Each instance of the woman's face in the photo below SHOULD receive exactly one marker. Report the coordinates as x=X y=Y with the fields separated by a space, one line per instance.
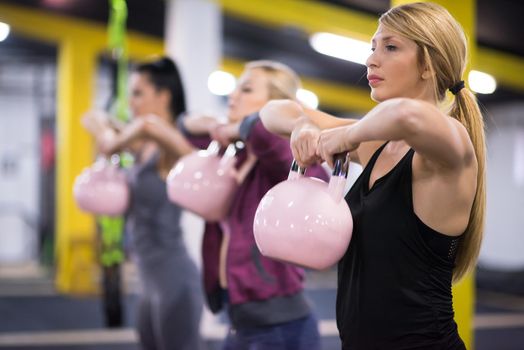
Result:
x=393 y=68
x=250 y=95
x=144 y=98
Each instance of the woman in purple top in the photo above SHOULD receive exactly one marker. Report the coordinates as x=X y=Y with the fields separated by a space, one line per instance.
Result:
x=264 y=297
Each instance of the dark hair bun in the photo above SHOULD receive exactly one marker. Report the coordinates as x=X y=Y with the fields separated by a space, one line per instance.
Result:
x=163 y=74
x=163 y=65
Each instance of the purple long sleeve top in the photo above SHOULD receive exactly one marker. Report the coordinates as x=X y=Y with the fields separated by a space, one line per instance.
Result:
x=252 y=279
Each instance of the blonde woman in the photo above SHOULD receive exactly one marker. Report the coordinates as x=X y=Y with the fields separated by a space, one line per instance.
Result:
x=418 y=206
x=264 y=298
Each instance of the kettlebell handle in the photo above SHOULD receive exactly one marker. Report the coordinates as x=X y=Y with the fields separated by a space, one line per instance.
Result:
x=337 y=182
x=340 y=167
x=296 y=171
x=229 y=154
x=213 y=147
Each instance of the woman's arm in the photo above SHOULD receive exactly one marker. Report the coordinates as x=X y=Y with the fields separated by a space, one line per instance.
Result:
x=436 y=137
x=199 y=124
x=168 y=136
x=97 y=124
x=147 y=127
x=289 y=119
x=282 y=116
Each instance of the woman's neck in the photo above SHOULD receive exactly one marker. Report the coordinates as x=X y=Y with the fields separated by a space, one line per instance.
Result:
x=397 y=146
x=147 y=150
x=166 y=116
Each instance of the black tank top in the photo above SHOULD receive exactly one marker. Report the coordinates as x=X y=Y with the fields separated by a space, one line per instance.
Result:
x=394 y=291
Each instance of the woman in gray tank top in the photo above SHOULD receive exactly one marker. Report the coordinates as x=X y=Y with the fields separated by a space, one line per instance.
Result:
x=170 y=303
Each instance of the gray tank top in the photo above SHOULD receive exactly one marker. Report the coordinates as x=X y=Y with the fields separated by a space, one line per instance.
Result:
x=153 y=222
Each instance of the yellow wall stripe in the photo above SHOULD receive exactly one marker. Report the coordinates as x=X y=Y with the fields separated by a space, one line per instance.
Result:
x=308 y=15
x=507 y=69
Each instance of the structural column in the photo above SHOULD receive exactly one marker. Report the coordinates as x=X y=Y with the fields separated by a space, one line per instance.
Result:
x=77 y=266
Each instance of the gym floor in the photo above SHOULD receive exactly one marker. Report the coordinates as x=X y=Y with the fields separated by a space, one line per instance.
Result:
x=34 y=317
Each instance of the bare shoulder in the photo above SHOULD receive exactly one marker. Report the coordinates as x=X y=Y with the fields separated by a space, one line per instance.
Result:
x=443 y=195
x=463 y=150
x=469 y=157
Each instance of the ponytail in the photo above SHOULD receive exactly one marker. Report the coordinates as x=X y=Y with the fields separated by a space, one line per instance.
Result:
x=443 y=50
x=466 y=110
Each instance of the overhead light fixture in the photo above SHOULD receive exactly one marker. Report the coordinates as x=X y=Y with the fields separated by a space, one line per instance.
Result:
x=341 y=47
x=4 y=30
x=309 y=98
x=221 y=83
x=56 y=3
x=482 y=83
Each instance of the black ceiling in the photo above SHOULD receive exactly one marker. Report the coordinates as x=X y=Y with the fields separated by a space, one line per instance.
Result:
x=498 y=22
x=498 y=26
x=146 y=16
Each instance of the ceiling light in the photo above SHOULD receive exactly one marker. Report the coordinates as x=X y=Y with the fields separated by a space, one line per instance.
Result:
x=482 y=83
x=56 y=3
x=341 y=47
x=4 y=30
x=221 y=83
x=308 y=98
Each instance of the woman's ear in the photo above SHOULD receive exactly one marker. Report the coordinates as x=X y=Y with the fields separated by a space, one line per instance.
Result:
x=426 y=74
x=165 y=96
x=425 y=65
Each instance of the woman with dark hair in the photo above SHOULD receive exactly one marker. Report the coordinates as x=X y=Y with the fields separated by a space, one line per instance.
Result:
x=170 y=304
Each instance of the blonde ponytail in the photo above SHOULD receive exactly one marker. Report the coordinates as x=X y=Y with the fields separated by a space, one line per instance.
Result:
x=443 y=49
x=466 y=110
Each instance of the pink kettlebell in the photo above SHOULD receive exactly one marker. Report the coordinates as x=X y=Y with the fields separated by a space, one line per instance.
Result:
x=102 y=189
x=204 y=183
x=304 y=220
